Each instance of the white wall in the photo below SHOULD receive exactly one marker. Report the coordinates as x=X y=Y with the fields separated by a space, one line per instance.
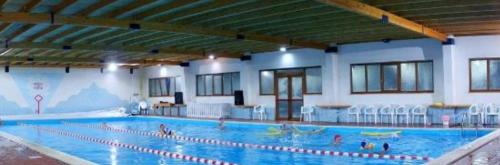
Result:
x=403 y=50
x=77 y=91
x=158 y=72
x=336 y=71
x=473 y=47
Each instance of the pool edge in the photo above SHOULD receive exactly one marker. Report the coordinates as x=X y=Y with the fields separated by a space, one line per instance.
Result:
x=455 y=156
x=61 y=156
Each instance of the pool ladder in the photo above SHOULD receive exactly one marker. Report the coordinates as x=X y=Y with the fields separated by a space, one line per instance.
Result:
x=462 y=123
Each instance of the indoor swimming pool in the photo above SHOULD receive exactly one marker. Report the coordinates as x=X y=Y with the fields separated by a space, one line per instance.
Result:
x=133 y=140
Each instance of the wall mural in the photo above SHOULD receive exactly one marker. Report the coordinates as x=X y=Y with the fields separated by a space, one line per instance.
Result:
x=43 y=91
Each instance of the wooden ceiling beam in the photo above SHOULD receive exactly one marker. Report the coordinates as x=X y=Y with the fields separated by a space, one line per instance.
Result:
x=151 y=26
x=167 y=7
x=238 y=10
x=161 y=51
x=376 y=13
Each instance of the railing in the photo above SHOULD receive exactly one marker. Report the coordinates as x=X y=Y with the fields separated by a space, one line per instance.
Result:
x=484 y=150
x=208 y=110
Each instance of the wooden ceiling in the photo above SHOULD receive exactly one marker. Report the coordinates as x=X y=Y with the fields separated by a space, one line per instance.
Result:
x=88 y=33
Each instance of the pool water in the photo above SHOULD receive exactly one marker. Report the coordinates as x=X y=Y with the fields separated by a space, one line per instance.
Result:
x=419 y=142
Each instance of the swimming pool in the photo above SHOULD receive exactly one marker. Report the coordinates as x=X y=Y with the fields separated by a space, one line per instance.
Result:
x=128 y=140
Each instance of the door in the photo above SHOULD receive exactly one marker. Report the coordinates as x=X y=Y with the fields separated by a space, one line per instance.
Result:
x=289 y=98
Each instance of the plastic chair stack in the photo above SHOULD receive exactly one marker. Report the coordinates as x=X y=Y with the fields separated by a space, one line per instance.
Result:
x=371 y=111
x=419 y=111
x=490 y=111
x=355 y=111
x=387 y=111
x=402 y=111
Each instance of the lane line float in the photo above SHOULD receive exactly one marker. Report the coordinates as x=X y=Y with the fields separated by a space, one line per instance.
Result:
x=133 y=147
x=254 y=146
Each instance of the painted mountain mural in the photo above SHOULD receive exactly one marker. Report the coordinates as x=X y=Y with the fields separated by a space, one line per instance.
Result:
x=11 y=108
x=89 y=99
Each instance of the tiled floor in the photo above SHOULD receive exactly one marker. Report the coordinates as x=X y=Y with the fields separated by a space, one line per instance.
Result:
x=12 y=153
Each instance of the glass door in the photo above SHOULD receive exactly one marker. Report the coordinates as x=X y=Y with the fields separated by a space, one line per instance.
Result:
x=289 y=96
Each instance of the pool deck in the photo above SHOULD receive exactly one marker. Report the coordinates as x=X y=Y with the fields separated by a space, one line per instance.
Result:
x=14 y=153
x=321 y=123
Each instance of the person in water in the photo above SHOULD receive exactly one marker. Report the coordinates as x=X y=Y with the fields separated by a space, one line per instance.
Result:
x=164 y=130
x=104 y=125
x=385 y=147
x=367 y=146
x=221 y=124
x=337 y=139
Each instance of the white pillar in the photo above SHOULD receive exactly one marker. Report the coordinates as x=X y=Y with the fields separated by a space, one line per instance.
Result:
x=448 y=72
x=331 y=85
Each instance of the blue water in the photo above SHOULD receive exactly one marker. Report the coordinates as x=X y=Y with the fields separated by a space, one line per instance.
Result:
x=420 y=142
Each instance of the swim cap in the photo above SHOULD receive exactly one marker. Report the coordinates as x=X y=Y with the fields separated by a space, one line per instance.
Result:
x=363 y=144
x=386 y=146
x=337 y=136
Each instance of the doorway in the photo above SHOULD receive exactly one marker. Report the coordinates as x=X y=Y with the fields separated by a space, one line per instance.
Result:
x=289 y=85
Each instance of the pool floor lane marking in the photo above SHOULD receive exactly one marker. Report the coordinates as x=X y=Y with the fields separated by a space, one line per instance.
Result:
x=133 y=147
x=254 y=146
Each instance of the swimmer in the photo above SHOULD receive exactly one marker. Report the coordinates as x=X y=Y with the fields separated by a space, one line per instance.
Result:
x=367 y=146
x=385 y=147
x=221 y=123
x=337 y=139
x=284 y=127
x=164 y=130
x=104 y=125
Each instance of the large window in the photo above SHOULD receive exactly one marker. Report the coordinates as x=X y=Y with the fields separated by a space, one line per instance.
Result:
x=392 y=77
x=484 y=75
x=312 y=79
x=223 y=84
x=166 y=86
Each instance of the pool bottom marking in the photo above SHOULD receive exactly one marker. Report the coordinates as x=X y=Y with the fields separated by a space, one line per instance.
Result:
x=254 y=146
x=133 y=147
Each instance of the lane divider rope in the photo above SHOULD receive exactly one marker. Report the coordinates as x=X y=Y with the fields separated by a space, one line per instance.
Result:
x=133 y=147
x=254 y=146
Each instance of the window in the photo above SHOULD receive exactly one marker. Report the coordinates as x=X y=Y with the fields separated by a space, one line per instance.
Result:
x=167 y=86
x=223 y=84
x=392 y=77
x=267 y=82
x=484 y=75
x=312 y=79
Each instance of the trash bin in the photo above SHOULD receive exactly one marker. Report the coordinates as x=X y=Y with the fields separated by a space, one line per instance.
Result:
x=446 y=120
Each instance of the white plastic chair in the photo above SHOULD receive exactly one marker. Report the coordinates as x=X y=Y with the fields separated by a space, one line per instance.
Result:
x=402 y=111
x=491 y=110
x=261 y=111
x=355 y=111
x=417 y=111
x=387 y=111
x=143 y=106
x=306 y=113
x=475 y=111
x=371 y=111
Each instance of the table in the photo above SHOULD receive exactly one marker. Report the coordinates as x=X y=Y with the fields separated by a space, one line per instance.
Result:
x=249 y=107
x=162 y=106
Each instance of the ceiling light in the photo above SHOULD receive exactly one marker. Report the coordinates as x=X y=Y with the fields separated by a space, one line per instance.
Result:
x=112 y=66
x=211 y=57
x=282 y=49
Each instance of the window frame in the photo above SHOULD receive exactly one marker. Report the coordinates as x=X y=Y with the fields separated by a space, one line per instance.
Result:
x=213 y=84
x=304 y=81
x=162 y=80
x=488 y=59
x=398 y=81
